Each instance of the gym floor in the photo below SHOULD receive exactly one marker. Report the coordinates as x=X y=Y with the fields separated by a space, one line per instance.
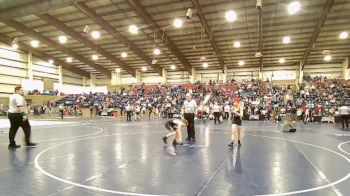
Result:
x=112 y=157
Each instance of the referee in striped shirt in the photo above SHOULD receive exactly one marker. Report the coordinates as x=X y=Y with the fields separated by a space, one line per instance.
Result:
x=18 y=116
x=189 y=109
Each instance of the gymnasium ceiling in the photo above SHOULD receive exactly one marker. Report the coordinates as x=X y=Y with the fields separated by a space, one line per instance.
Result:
x=205 y=38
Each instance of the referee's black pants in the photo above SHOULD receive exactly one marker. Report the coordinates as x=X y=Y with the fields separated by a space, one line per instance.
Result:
x=226 y=115
x=217 y=117
x=190 y=127
x=344 y=120
x=128 y=115
x=16 y=121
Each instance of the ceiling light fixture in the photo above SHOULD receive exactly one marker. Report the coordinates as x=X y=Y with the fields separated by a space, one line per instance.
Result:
x=34 y=43
x=144 y=68
x=241 y=63
x=124 y=54
x=156 y=51
x=62 y=39
x=231 y=16
x=133 y=29
x=293 y=7
x=327 y=57
x=94 y=57
x=14 y=46
x=14 y=43
x=95 y=34
x=205 y=65
x=281 y=60
x=86 y=29
x=343 y=35
x=178 y=23
x=286 y=40
x=236 y=44
x=69 y=59
x=173 y=67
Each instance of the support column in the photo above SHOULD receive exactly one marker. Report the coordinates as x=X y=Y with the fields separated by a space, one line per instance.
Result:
x=345 y=69
x=138 y=77
x=164 y=75
x=224 y=76
x=60 y=75
x=261 y=75
x=84 y=81
x=199 y=77
x=301 y=73
x=119 y=78
x=193 y=76
x=92 y=80
x=30 y=66
x=114 y=78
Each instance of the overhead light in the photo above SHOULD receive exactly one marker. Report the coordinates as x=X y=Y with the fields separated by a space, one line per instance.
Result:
x=14 y=43
x=15 y=40
x=86 y=29
x=205 y=65
x=328 y=57
x=124 y=54
x=69 y=59
x=94 y=57
x=293 y=7
x=173 y=67
x=50 y=61
x=178 y=23
x=231 y=16
x=282 y=60
x=144 y=68
x=286 y=40
x=95 y=34
x=133 y=29
x=118 y=70
x=15 y=46
x=236 y=44
x=258 y=54
x=241 y=63
x=343 y=35
x=156 y=51
x=189 y=13
x=34 y=43
x=154 y=61
x=62 y=39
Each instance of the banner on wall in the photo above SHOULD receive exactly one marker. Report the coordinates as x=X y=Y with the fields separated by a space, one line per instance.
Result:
x=30 y=85
x=48 y=84
x=74 y=89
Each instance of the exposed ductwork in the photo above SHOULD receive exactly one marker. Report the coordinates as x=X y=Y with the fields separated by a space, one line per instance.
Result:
x=36 y=7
